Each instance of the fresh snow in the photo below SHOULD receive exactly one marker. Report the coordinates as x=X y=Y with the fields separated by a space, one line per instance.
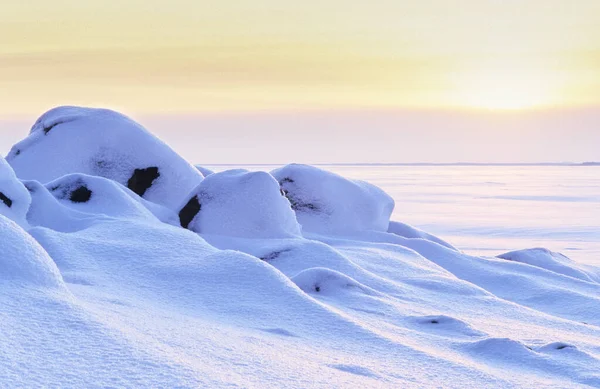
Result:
x=103 y=143
x=294 y=278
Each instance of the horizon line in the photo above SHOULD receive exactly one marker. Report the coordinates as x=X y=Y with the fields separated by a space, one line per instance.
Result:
x=582 y=164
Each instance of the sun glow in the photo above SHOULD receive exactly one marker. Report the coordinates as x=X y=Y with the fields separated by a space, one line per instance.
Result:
x=503 y=86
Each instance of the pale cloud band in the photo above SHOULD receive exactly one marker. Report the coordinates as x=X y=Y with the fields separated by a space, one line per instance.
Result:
x=188 y=56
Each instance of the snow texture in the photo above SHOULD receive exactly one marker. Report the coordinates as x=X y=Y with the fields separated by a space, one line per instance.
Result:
x=100 y=287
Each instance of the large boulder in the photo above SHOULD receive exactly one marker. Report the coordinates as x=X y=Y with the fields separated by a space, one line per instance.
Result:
x=325 y=202
x=242 y=204
x=104 y=143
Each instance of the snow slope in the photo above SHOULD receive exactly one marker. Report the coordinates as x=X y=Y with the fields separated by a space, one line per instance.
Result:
x=103 y=288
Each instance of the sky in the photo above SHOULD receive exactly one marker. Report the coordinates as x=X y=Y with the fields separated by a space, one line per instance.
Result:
x=364 y=81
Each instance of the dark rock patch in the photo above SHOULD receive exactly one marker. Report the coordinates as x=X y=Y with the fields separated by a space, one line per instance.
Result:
x=189 y=211
x=142 y=179
x=296 y=203
x=81 y=195
x=273 y=255
x=47 y=129
x=6 y=200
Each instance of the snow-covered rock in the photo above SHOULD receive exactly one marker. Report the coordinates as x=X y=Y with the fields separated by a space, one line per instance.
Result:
x=14 y=197
x=103 y=143
x=76 y=199
x=239 y=203
x=325 y=202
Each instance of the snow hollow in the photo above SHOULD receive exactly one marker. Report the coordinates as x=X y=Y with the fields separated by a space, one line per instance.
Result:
x=123 y=265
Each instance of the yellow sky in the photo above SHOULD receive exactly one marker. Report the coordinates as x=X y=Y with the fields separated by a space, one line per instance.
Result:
x=197 y=56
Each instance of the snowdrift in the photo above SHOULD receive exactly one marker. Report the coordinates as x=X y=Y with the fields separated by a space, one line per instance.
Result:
x=293 y=278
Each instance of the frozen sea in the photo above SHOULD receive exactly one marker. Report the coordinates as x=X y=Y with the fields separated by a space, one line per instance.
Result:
x=488 y=210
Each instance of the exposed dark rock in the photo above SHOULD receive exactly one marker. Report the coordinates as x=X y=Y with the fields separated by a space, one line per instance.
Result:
x=47 y=129
x=6 y=200
x=142 y=179
x=296 y=203
x=273 y=255
x=189 y=211
x=80 y=195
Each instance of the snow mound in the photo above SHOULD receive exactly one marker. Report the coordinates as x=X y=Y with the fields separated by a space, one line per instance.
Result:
x=239 y=203
x=205 y=171
x=14 y=197
x=103 y=143
x=549 y=260
x=410 y=232
x=23 y=260
x=328 y=282
x=444 y=324
x=328 y=203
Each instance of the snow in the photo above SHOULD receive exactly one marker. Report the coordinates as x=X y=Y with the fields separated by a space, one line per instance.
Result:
x=23 y=261
x=100 y=287
x=407 y=231
x=328 y=203
x=204 y=170
x=240 y=203
x=104 y=143
x=14 y=198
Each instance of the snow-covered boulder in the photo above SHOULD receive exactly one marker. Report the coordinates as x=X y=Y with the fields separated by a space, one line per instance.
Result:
x=242 y=204
x=63 y=204
x=14 y=197
x=103 y=143
x=23 y=260
x=328 y=203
